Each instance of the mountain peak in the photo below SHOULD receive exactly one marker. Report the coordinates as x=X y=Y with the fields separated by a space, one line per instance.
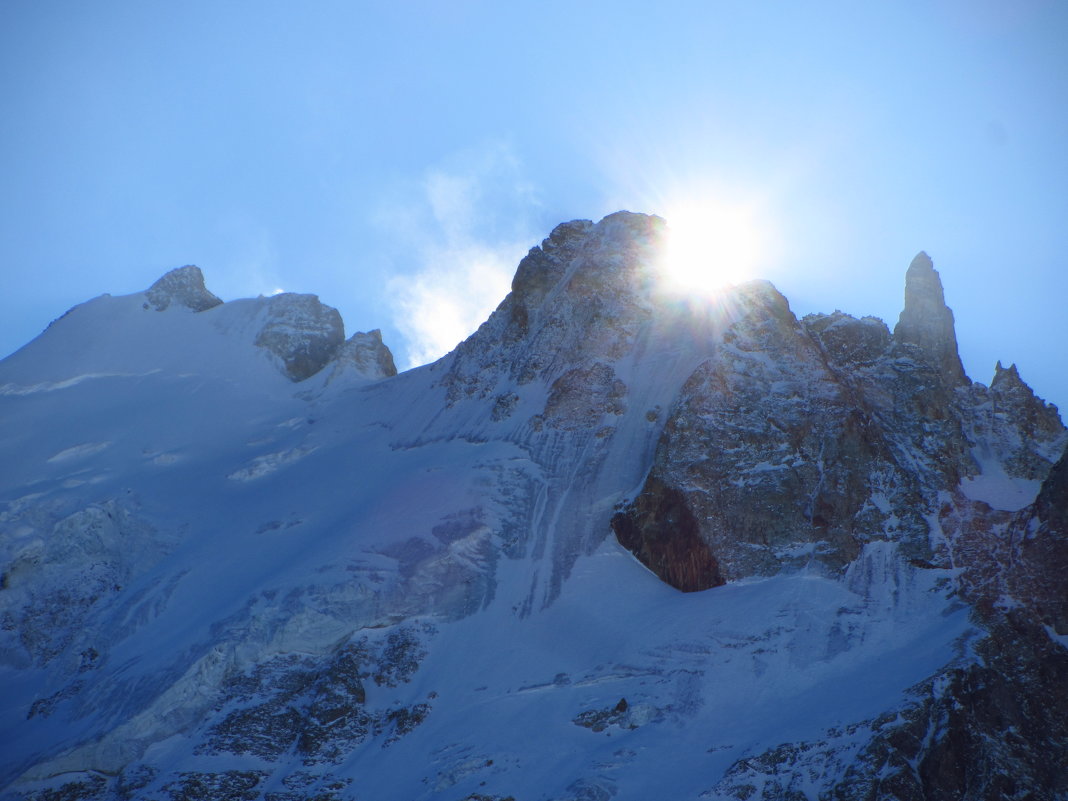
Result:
x=921 y=261
x=183 y=286
x=366 y=354
x=927 y=322
x=302 y=332
x=1009 y=376
x=215 y=584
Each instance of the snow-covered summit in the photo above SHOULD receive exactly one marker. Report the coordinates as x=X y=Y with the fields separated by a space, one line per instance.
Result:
x=153 y=331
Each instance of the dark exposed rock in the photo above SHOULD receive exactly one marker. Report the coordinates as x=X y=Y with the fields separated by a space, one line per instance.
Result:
x=1050 y=510
x=788 y=772
x=621 y=715
x=231 y=785
x=319 y=708
x=85 y=788
x=581 y=397
x=305 y=786
x=503 y=406
x=971 y=733
x=984 y=731
x=1034 y=421
x=1016 y=561
x=182 y=286
x=996 y=727
x=304 y=333
x=1037 y=572
x=849 y=342
x=133 y=780
x=582 y=309
x=661 y=531
x=599 y=789
x=403 y=720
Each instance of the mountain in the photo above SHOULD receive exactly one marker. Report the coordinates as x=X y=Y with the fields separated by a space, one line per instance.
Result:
x=616 y=545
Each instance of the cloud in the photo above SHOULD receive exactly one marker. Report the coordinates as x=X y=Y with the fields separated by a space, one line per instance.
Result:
x=441 y=305
x=466 y=224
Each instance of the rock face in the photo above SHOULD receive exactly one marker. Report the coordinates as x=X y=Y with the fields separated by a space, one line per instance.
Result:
x=304 y=333
x=778 y=453
x=1037 y=424
x=182 y=286
x=461 y=581
x=544 y=371
x=576 y=300
x=797 y=443
x=662 y=532
x=366 y=355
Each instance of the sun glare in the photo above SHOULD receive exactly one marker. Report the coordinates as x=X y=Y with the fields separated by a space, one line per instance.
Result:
x=710 y=247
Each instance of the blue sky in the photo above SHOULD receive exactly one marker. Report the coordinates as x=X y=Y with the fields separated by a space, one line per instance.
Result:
x=398 y=159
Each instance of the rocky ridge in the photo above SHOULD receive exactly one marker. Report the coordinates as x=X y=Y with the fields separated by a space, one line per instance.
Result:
x=856 y=472
x=801 y=441
x=301 y=333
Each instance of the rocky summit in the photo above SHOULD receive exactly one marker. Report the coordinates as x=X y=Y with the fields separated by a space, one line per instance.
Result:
x=617 y=545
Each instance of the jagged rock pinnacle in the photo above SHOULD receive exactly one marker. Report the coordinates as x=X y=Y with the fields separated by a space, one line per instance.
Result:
x=927 y=322
x=183 y=286
x=1037 y=420
x=1006 y=376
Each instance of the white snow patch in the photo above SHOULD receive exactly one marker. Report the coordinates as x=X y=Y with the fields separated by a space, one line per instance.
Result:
x=1000 y=490
x=79 y=451
x=1060 y=639
x=268 y=463
x=52 y=386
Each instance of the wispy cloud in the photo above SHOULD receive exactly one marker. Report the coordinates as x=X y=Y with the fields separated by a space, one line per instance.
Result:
x=466 y=225
x=247 y=262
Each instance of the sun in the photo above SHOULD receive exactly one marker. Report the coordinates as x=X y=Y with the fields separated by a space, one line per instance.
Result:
x=709 y=247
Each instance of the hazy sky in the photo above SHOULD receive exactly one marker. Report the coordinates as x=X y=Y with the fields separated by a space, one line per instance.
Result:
x=397 y=159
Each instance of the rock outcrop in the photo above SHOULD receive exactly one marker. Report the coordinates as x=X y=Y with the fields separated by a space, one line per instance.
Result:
x=1037 y=428
x=578 y=298
x=663 y=533
x=182 y=286
x=302 y=332
x=366 y=355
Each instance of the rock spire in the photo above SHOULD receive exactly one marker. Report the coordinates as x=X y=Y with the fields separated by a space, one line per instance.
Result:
x=927 y=322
